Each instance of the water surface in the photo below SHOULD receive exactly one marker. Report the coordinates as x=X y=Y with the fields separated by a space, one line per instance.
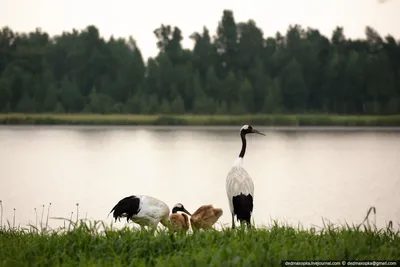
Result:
x=301 y=175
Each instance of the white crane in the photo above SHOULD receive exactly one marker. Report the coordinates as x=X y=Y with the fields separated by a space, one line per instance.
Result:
x=143 y=210
x=239 y=185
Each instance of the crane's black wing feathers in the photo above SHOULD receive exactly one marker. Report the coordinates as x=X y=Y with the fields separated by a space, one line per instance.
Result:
x=243 y=207
x=128 y=205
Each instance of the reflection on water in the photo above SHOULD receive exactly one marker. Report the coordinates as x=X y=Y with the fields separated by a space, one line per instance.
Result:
x=300 y=176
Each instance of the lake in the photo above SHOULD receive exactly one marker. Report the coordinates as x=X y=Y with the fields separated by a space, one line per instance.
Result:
x=301 y=175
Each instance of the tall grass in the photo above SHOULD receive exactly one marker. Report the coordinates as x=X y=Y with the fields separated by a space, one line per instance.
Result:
x=188 y=119
x=93 y=243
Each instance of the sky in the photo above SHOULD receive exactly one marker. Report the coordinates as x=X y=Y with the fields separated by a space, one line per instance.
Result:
x=123 y=18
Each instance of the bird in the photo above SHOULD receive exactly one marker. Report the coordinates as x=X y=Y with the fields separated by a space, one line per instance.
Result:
x=205 y=217
x=239 y=184
x=179 y=221
x=143 y=210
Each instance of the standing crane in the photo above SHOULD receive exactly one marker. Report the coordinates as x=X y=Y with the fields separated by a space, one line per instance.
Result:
x=239 y=185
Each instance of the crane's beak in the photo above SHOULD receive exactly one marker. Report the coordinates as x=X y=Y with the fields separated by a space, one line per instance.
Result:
x=185 y=211
x=257 y=132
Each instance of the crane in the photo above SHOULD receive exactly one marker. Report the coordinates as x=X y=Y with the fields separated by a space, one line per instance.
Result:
x=239 y=185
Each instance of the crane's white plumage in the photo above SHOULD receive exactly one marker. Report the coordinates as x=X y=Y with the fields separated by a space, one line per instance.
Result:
x=244 y=127
x=143 y=210
x=239 y=185
x=238 y=181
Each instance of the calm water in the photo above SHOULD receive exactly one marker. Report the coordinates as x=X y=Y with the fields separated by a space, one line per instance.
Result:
x=300 y=176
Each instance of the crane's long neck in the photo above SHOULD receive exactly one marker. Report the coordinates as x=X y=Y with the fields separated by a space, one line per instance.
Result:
x=243 y=151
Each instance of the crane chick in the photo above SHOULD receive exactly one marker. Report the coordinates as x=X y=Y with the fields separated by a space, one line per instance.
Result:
x=179 y=221
x=205 y=217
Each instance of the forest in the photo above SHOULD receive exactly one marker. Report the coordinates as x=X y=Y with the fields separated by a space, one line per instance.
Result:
x=237 y=71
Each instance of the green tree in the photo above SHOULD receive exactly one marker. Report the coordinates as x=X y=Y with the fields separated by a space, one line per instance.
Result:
x=26 y=104
x=237 y=71
x=204 y=54
x=273 y=97
x=246 y=97
x=70 y=96
x=165 y=107
x=5 y=94
x=202 y=103
x=51 y=99
x=177 y=105
x=250 y=45
x=293 y=86
x=226 y=44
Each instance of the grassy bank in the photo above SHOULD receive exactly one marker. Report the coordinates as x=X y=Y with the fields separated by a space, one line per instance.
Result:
x=83 y=246
x=87 y=243
x=259 y=119
x=260 y=247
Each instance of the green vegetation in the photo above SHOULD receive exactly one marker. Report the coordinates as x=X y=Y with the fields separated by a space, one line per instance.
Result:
x=260 y=247
x=257 y=119
x=237 y=71
x=86 y=243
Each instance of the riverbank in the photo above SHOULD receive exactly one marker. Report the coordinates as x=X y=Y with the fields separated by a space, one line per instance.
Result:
x=84 y=246
x=256 y=119
x=82 y=242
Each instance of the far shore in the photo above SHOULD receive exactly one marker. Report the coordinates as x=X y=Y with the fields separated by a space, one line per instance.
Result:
x=203 y=120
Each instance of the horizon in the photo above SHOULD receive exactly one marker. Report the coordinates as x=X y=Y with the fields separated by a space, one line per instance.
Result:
x=119 y=19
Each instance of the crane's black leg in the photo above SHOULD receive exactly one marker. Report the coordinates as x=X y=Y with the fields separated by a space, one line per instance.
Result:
x=233 y=221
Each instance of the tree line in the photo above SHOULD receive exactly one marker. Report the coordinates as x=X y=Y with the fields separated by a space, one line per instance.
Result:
x=236 y=71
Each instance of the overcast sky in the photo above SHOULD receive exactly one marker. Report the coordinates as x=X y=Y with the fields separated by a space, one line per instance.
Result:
x=140 y=18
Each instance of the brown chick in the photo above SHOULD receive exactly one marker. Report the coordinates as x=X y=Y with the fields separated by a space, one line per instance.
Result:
x=205 y=217
x=179 y=221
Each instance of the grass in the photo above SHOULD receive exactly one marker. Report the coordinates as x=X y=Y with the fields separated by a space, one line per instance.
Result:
x=188 y=119
x=86 y=243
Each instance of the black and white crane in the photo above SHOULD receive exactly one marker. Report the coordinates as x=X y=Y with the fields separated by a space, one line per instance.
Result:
x=239 y=185
x=143 y=210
